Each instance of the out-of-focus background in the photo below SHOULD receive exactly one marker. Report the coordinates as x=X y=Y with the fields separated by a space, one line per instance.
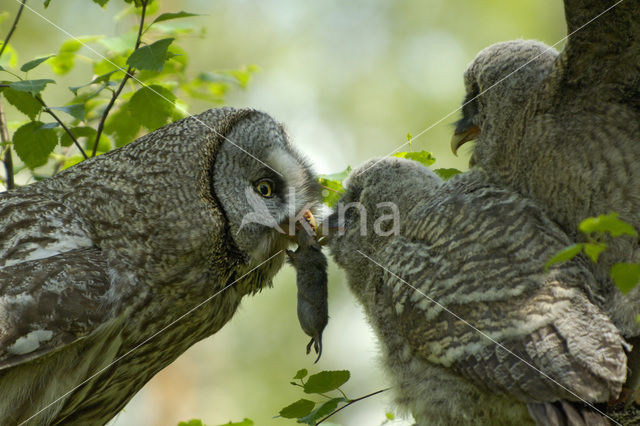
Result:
x=349 y=80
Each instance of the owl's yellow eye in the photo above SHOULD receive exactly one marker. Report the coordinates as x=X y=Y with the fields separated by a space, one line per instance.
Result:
x=265 y=188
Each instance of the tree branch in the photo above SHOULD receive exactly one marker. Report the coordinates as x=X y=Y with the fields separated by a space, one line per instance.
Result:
x=351 y=402
x=66 y=129
x=4 y=133
x=7 y=160
x=13 y=27
x=128 y=74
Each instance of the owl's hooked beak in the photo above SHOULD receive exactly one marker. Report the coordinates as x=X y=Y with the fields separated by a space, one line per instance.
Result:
x=465 y=132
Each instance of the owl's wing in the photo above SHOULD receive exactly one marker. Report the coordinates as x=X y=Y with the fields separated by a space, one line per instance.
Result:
x=33 y=226
x=48 y=303
x=53 y=280
x=603 y=45
x=537 y=343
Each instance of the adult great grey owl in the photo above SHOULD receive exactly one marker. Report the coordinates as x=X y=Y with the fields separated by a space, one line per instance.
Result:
x=564 y=128
x=473 y=330
x=111 y=269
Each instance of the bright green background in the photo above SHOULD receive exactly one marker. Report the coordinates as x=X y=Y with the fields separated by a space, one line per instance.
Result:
x=349 y=79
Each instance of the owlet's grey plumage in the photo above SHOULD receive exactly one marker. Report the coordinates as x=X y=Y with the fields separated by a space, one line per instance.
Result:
x=473 y=329
x=564 y=129
x=111 y=269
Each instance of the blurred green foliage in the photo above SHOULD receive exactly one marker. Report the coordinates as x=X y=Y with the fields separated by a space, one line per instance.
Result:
x=625 y=275
x=135 y=82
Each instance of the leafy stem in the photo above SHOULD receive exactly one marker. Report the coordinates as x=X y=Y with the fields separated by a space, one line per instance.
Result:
x=9 y=72
x=331 y=189
x=4 y=134
x=13 y=27
x=343 y=394
x=66 y=129
x=351 y=401
x=7 y=160
x=127 y=75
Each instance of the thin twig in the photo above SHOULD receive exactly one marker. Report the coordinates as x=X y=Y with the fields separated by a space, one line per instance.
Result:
x=7 y=160
x=127 y=75
x=4 y=133
x=331 y=189
x=352 y=401
x=13 y=27
x=66 y=129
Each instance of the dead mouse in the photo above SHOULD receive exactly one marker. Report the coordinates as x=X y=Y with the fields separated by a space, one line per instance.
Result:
x=311 y=279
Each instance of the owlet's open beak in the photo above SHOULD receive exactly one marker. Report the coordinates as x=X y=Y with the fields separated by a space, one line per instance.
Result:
x=465 y=132
x=307 y=223
x=311 y=220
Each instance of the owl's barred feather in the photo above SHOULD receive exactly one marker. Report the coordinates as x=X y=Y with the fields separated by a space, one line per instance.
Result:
x=472 y=327
x=99 y=258
x=563 y=129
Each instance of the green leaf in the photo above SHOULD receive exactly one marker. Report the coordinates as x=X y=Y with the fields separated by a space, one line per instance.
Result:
x=75 y=110
x=245 y=422
x=64 y=61
x=179 y=28
x=298 y=409
x=175 y=15
x=340 y=176
x=32 y=86
x=563 y=255
x=116 y=64
x=51 y=125
x=72 y=161
x=332 y=191
x=122 y=126
x=242 y=76
x=23 y=101
x=215 y=77
x=104 y=78
x=423 y=157
x=121 y=44
x=301 y=374
x=390 y=416
x=322 y=411
x=78 y=132
x=447 y=173
x=625 y=275
x=34 y=63
x=593 y=250
x=88 y=100
x=150 y=57
x=207 y=91
x=332 y=186
x=102 y=3
x=222 y=79
x=9 y=56
x=607 y=223
x=192 y=422
x=326 y=381
x=33 y=143
x=152 y=106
